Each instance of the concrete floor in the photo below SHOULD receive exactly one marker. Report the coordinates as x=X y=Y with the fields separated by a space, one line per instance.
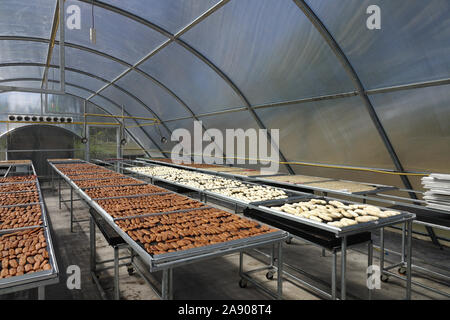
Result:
x=218 y=278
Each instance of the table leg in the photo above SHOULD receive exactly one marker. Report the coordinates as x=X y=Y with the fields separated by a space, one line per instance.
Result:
x=92 y=244
x=241 y=263
x=343 y=267
x=165 y=285
x=280 y=271
x=333 y=275
x=170 y=284
x=71 y=209
x=409 y=261
x=370 y=263
x=403 y=241
x=41 y=293
x=59 y=193
x=381 y=251
x=116 y=273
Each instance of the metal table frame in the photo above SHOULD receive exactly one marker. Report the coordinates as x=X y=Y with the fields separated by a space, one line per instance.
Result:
x=167 y=262
x=406 y=220
x=40 y=279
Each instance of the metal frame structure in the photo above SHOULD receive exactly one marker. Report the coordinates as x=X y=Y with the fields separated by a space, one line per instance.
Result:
x=404 y=218
x=39 y=279
x=168 y=261
x=202 y=58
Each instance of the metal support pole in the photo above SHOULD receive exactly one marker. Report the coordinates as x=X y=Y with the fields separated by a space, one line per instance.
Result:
x=370 y=262
x=280 y=271
x=333 y=275
x=403 y=242
x=381 y=251
x=62 y=56
x=409 y=261
x=323 y=252
x=165 y=285
x=41 y=293
x=93 y=244
x=71 y=209
x=116 y=273
x=171 y=284
x=241 y=263
x=343 y=267
x=272 y=256
x=59 y=192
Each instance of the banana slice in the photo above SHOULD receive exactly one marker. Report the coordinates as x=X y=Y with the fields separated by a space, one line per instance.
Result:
x=391 y=213
x=337 y=224
x=348 y=222
x=315 y=218
x=325 y=217
x=366 y=218
x=336 y=203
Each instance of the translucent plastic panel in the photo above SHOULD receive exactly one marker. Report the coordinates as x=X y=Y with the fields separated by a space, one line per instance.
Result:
x=77 y=92
x=270 y=50
x=335 y=131
x=83 y=80
x=89 y=62
x=116 y=35
x=20 y=102
x=191 y=79
x=171 y=15
x=23 y=84
x=14 y=72
x=166 y=106
x=22 y=51
x=411 y=46
x=131 y=105
x=136 y=132
x=418 y=124
x=26 y=19
x=234 y=120
x=156 y=133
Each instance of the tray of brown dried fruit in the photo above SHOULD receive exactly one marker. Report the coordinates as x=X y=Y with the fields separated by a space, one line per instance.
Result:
x=173 y=232
x=16 y=217
x=26 y=256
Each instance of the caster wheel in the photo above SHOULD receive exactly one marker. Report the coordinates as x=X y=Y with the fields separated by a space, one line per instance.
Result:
x=243 y=283
x=289 y=241
x=384 y=278
x=269 y=275
x=402 y=270
x=130 y=271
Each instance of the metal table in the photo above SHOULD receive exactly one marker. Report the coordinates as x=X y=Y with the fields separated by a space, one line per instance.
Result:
x=37 y=279
x=343 y=234
x=168 y=261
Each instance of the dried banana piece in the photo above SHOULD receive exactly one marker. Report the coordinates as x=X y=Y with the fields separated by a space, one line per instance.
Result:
x=325 y=217
x=337 y=224
x=391 y=213
x=366 y=218
x=348 y=222
x=318 y=201
x=361 y=212
x=336 y=203
x=315 y=218
x=352 y=213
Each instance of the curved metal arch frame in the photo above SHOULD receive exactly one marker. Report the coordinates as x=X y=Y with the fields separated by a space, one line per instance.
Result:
x=345 y=62
x=97 y=106
x=82 y=48
x=175 y=38
x=107 y=99
x=117 y=60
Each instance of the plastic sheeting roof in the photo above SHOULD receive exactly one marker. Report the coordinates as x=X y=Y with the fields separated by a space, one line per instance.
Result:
x=338 y=92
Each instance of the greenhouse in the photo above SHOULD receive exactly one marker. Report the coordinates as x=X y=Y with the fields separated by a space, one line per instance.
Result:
x=224 y=149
